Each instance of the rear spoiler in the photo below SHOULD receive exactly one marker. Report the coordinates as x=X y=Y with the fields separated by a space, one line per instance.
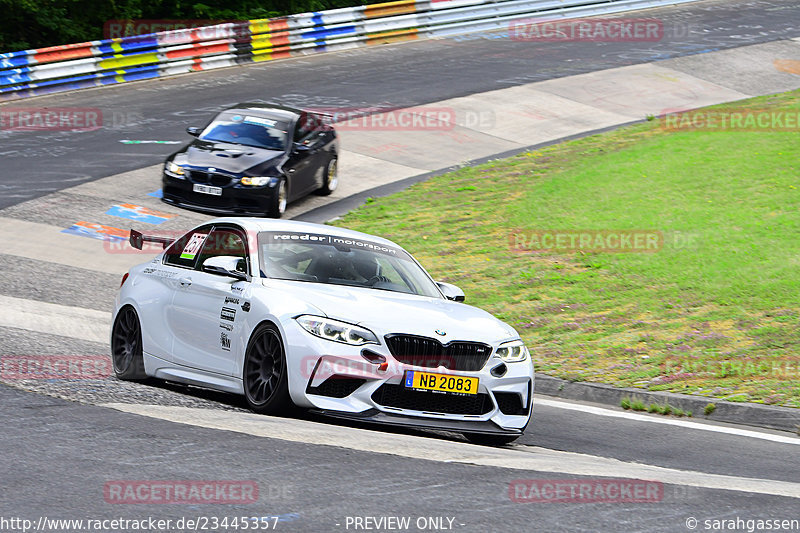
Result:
x=137 y=240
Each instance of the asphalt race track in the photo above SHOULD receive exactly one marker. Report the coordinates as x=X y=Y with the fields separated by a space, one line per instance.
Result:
x=61 y=448
x=64 y=441
x=391 y=76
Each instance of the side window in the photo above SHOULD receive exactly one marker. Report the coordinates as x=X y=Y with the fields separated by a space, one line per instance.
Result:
x=306 y=125
x=225 y=241
x=184 y=251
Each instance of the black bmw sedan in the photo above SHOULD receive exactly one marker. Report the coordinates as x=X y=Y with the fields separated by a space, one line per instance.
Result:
x=253 y=159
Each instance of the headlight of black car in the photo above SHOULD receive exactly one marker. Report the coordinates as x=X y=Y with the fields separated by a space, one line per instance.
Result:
x=174 y=170
x=259 y=181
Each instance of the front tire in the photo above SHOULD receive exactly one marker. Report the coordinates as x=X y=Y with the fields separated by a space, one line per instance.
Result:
x=279 y=200
x=331 y=180
x=126 y=345
x=265 y=376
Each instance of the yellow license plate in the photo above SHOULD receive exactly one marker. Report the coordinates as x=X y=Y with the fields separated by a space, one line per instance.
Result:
x=415 y=379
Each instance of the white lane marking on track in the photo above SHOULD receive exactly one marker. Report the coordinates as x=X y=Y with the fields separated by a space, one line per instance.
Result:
x=55 y=319
x=667 y=421
x=129 y=141
x=521 y=458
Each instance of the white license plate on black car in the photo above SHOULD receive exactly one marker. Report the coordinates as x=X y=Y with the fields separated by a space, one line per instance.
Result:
x=205 y=189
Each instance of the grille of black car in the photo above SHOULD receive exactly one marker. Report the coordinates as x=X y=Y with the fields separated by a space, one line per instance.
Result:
x=200 y=199
x=209 y=178
x=510 y=403
x=337 y=387
x=432 y=402
x=430 y=353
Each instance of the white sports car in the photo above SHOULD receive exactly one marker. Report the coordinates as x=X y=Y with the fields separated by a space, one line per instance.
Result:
x=292 y=314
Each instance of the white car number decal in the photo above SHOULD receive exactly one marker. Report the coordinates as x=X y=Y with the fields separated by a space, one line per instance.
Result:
x=193 y=246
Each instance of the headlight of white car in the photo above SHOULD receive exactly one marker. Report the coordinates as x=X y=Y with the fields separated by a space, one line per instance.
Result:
x=334 y=330
x=513 y=352
x=172 y=168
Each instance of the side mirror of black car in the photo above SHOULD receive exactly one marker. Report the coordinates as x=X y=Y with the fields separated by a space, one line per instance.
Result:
x=300 y=148
x=193 y=131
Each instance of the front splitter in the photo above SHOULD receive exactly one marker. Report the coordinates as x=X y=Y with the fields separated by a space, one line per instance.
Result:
x=380 y=417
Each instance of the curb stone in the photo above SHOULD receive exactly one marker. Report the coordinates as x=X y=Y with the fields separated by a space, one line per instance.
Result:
x=749 y=414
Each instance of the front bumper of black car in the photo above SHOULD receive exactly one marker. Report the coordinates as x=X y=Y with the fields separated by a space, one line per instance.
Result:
x=235 y=199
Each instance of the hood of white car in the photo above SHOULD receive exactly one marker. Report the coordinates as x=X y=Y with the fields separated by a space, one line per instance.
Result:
x=386 y=312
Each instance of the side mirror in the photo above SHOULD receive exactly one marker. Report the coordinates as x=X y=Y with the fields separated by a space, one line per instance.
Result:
x=300 y=148
x=193 y=131
x=451 y=292
x=226 y=265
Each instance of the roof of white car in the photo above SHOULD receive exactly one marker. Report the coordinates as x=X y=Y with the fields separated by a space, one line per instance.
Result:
x=270 y=224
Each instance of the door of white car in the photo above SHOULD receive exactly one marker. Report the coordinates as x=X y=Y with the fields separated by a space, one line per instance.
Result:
x=155 y=290
x=178 y=263
x=206 y=311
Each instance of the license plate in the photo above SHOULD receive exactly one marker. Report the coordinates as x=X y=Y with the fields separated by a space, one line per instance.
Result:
x=205 y=189
x=414 y=379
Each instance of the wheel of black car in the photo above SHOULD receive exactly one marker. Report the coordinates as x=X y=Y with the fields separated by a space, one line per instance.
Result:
x=265 y=377
x=126 y=345
x=278 y=203
x=486 y=439
x=331 y=178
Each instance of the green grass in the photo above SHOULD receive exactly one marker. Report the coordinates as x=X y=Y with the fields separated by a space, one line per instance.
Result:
x=666 y=409
x=714 y=312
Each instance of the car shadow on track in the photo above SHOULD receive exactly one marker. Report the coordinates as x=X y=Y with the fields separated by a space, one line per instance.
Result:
x=227 y=401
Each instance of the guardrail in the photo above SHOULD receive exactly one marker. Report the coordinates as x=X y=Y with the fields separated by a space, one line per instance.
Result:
x=111 y=61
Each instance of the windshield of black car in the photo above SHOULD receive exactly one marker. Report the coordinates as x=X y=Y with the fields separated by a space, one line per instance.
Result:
x=334 y=260
x=249 y=130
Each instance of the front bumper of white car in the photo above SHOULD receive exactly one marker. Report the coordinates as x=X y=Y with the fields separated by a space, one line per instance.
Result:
x=350 y=381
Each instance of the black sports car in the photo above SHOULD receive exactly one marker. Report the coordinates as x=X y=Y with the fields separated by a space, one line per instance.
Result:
x=253 y=159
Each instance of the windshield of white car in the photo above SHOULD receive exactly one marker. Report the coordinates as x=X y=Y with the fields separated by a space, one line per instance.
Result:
x=319 y=258
x=248 y=130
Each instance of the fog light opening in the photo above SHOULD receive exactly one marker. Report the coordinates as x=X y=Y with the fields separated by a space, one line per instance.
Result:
x=372 y=357
x=500 y=370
